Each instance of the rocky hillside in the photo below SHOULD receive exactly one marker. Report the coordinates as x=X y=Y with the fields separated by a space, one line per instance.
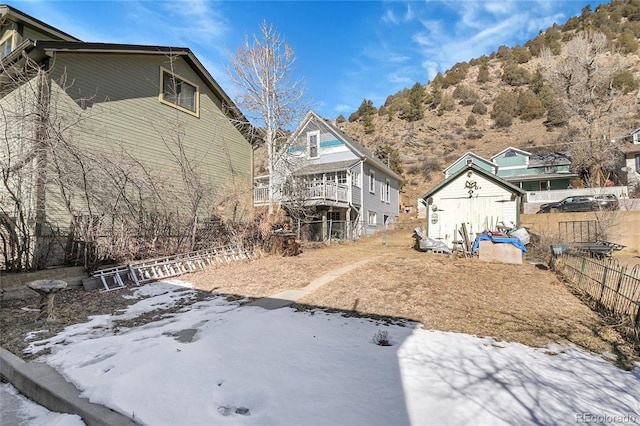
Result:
x=430 y=125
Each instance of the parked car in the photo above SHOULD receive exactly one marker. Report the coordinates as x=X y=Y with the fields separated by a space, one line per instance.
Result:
x=607 y=202
x=582 y=203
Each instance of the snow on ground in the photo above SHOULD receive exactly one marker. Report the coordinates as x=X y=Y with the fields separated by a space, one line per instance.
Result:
x=18 y=410
x=218 y=363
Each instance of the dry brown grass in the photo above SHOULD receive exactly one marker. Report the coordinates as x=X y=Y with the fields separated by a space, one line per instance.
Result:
x=519 y=303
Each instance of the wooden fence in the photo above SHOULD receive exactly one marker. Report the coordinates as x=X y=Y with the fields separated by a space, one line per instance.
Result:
x=614 y=288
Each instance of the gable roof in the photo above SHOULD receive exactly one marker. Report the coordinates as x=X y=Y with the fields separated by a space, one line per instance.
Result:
x=519 y=151
x=22 y=18
x=469 y=153
x=39 y=50
x=490 y=176
x=364 y=154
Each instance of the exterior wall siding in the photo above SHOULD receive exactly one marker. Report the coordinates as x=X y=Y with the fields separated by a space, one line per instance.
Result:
x=488 y=205
x=462 y=163
x=372 y=201
x=117 y=97
x=516 y=160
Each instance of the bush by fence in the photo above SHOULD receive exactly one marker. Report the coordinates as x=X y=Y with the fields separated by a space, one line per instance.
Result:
x=613 y=287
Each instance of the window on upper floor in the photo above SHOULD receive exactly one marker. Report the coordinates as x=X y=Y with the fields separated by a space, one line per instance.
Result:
x=355 y=179
x=313 y=144
x=386 y=191
x=638 y=163
x=6 y=47
x=341 y=176
x=179 y=93
x=372 y=181
x=510 y=153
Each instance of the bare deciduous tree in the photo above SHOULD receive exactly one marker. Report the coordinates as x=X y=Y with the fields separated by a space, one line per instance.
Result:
x=582 y=77
x=272 y=98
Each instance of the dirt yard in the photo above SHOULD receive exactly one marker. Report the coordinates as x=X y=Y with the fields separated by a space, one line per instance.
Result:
x=521 y=303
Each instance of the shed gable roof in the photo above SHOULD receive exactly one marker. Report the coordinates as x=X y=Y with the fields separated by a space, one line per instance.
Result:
x=489 y=176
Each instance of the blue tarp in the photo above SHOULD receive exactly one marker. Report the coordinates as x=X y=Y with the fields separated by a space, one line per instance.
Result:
x=499 y=240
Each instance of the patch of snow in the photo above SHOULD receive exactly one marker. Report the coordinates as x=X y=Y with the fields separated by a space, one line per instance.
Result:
x=247 y=365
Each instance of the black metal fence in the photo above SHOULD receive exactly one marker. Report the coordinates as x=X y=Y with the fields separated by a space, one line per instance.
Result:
x=614 y=288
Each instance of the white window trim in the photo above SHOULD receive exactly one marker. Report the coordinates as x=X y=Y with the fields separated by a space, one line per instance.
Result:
x=355 y=179
x=372 y=214
x=162 y=99
x=387 y=191
x=8 y=37
x=315 y=133
x=372 y=181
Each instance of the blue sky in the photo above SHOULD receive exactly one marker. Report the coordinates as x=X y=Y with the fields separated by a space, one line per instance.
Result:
x=346 y=50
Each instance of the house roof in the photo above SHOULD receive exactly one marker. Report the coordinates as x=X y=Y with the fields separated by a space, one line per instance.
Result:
x=364 y=154
x=550 y=159
x=519 y=151
x=466 y=154
x=23 y=18
x=40 y=49
x=490 y=176
x=49 y=47
x=326 y=167
x=539 y=176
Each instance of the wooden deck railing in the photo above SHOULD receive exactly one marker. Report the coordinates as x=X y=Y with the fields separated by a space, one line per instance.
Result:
x=329 y=191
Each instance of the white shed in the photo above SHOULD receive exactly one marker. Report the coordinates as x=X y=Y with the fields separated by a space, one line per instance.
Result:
x=473 y=196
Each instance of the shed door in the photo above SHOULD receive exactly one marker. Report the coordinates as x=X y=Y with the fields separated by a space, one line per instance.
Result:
x=478 y=213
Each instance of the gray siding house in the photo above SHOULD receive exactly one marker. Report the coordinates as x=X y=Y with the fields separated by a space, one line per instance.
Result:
x=350 y=191
x=139 y=136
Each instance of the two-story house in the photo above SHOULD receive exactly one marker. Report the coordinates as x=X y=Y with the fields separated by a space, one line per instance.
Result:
x=350 y=191
x=535 y=172
x=139 y=138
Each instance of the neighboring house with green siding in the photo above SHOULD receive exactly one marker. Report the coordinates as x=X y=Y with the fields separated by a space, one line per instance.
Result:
x=535 y=172
x=468 y=159
x=94 y=132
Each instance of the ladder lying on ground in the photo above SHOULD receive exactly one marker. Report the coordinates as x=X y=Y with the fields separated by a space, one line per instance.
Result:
x=171 y=266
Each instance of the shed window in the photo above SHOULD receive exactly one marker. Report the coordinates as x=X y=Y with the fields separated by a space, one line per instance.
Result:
x=179 y=93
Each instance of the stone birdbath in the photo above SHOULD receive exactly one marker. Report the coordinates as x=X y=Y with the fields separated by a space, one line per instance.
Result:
x=47 y=290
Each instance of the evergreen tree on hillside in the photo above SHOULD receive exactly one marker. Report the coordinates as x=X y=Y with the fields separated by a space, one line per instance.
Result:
x=391 y=157
x=416 y=103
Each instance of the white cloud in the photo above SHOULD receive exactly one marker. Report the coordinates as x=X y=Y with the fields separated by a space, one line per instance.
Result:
x=342 y=108
x=400 y=76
